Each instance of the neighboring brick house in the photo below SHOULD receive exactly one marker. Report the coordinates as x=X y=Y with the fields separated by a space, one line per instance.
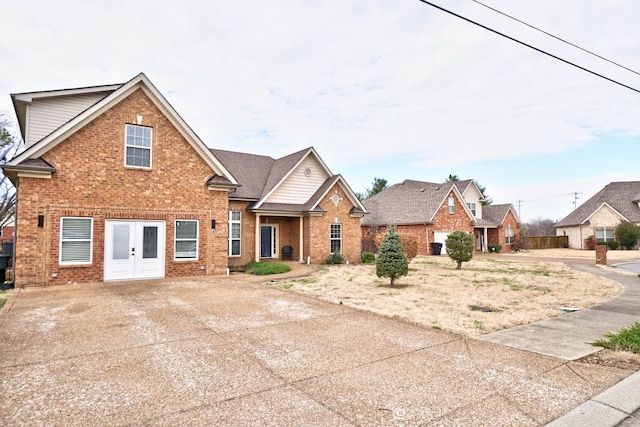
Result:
x=7 y=233
x=430 y=211
x=114 y=185
x=599 y=216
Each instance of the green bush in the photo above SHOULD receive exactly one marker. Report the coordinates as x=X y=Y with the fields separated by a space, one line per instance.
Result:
x=335 y=258
x=628 y=234
x=613 y=245
x=368 y=258
x=459 y=246
x=265 y=268
x=494 y=247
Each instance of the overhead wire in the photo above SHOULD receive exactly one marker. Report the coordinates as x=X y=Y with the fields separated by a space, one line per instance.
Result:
x=529 y=46
x=555 y=37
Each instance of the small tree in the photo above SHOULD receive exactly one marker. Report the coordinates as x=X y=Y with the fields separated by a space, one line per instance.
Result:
x=627 y=234
x=392 y=262
x=459 y=247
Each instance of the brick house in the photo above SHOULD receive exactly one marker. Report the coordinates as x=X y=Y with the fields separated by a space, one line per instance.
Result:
x=599 y=216
x=430 y=211
x=114 y=185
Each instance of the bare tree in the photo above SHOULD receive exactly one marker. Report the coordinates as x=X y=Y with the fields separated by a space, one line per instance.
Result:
x=9 y=146
x=541 y=227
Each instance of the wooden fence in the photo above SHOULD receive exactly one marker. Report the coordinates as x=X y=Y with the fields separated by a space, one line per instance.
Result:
x=545 y=242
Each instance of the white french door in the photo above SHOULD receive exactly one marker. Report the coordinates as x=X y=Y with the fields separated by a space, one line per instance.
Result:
x=134 y=249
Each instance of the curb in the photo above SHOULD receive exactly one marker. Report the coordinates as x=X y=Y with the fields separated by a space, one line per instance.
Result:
x=608 y=409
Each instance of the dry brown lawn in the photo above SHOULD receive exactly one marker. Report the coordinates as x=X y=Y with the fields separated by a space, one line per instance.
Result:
x=485 y=295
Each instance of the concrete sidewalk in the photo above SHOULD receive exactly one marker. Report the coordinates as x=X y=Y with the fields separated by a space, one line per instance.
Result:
x=568 y=337
x=233 y=351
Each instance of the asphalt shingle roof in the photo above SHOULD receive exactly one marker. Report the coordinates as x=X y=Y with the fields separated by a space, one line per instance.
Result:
x=621 y=196
x=409 y=202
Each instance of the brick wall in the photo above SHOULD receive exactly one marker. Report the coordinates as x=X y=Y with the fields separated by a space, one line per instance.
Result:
x=91 y=180
x=444 y=221
x=321 y=226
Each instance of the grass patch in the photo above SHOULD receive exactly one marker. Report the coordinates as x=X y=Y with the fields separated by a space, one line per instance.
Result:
x=265 y=268
x=627 y=339
x=3 y=297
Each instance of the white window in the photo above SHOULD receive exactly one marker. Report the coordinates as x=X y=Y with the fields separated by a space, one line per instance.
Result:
x=235 y=226
x=336 y=238
x=186 y=239
x=452 y=207
x=472 y=208
x=508 y=235
x=604 y=234
x=138 y=146
x=76 y=238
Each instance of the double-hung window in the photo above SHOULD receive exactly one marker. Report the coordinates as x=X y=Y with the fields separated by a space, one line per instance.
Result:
x=76 y=240
x=336 y=238
x=605 y=234
x=235 y=236
x=472 y=208
x=138 y=146
x=451 y=205
x=508 y=235
x=186 y=239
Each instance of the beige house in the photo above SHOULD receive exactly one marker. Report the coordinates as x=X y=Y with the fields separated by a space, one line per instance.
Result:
x=114 y=185
x=600 y=215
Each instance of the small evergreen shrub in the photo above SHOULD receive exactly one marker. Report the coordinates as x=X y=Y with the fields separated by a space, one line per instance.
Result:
x=494 y=247
x=368 y=258
x=613 y=245
x=392 y=262
x=335 y=258
x=264 y=268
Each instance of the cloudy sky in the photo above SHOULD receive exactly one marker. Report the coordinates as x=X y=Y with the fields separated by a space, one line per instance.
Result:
x=394 y=89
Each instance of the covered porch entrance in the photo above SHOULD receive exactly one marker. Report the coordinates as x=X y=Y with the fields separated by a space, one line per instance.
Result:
x=275 y=232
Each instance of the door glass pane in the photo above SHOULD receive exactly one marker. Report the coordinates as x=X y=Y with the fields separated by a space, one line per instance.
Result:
x=121 y=241
x=150 y=242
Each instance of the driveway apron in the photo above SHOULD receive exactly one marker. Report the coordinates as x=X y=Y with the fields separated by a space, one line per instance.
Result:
x=235 y=351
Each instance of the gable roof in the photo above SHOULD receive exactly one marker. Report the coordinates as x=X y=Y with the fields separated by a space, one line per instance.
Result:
x=498 y=213
x=259 y=176
x=115 y=94
x=410 y=202
x=623 y=197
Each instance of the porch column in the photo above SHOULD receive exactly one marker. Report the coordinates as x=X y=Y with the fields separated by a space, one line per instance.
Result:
x=486 y=240
x=257 y=239
x=301 y=243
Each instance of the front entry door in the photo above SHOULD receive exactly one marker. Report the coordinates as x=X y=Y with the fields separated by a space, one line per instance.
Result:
x=134 y=250
x=268 y=241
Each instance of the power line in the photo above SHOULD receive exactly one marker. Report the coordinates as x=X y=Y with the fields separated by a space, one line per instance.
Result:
x=556 y=37
x=528 y=45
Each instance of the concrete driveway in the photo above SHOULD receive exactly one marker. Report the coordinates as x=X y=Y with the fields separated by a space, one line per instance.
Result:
x=234 y=351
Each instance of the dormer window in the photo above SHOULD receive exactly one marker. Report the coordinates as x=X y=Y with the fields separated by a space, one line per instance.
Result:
x=138 y=146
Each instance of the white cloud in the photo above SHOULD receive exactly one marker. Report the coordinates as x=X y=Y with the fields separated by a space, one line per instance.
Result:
x=362 y=81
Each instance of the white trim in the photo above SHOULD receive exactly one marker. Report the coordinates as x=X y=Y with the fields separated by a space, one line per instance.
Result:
x=231 y=239
x=127 y=146
x=175 y=239
x=61 y=240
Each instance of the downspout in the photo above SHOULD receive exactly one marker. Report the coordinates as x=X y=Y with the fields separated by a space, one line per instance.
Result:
x=257 y=240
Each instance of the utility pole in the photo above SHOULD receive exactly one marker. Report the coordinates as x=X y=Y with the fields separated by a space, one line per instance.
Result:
x=575 y=200
x=519 y=204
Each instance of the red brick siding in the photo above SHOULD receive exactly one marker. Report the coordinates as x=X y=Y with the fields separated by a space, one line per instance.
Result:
x=91 y=180
x=444 y=221
x=321 y=226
